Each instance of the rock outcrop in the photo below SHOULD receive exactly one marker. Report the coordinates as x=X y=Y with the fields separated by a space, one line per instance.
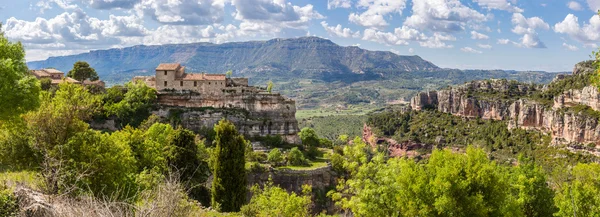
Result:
x=254 y=114
x=510 y=101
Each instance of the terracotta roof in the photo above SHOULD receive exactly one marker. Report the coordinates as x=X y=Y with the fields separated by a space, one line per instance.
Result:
x=53 y=71
x=204 y=77
x=66 y=79
x=39 y=73
x=93 y=82
x=168 y=66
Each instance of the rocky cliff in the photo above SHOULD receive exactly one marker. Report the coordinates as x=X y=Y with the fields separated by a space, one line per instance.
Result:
x=572 y=117
x=254 y=114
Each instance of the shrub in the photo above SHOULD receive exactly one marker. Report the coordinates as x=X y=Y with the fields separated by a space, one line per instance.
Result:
x=275 y=157
x=8 y=202
x=274 y=201
x=296 y=158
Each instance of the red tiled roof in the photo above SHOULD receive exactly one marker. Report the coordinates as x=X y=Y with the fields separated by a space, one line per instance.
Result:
x=53 y=71
x=168 y=66
x=204 y=77
x=39 y=73
x=65 y=79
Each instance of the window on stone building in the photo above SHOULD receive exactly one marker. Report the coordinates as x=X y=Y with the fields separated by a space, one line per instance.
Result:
x=195 y=83
x=208 y=83
x=165 y=72
x=165 y=83
x=181 y=83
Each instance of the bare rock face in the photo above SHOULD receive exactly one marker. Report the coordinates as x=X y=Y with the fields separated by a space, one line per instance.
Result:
x=253 y=113
x=566 y=126
x=589 y=96
x=34 y=204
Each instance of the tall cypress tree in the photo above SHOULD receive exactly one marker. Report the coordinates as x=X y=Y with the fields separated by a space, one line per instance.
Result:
x=229 y=184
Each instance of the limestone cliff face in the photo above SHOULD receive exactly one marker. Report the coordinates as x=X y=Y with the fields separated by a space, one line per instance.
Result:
x=564 y=125
x=589 y=96
x=253 y=113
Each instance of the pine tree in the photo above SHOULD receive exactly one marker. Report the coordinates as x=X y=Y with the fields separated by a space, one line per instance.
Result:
x=229 y=183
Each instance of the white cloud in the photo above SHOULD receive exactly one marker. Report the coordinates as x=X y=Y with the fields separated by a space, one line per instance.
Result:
x=437 y=41
x=594 y=5
x=503 y=41
x=570 y=47
x=484 y=46
x=259 y=15
x=74 y=28
x=110 y=4
x=400 y=36
x=527 y=27
x=470 y=50
x=373 y=17
x=332 y=4
x=442 y=15
x=499 y=5
x=180 y=12
x=589 y=33
x=478 y=36
x=573 y=5
x=395 y=51
x=410 y=50
x=339 y=31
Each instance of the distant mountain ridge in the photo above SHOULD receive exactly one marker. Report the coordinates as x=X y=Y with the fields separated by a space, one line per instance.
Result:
x=306 y=57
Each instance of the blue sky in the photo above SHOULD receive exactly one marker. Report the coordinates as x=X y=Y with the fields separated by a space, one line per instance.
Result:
x=550 y=35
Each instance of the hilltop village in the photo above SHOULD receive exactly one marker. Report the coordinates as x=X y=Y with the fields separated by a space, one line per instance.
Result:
x=202 y=99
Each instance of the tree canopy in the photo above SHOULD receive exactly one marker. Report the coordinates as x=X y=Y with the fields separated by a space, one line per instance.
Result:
x=19 y=92
x=82 y=71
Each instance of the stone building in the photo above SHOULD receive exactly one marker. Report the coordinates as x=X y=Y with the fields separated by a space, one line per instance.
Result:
x=202 y=99
x=56 y=77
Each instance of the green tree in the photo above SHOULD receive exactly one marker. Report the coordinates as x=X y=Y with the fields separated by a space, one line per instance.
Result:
x=309 y=137
x=580 y=196
x=229 y=182
x=275 y=157
x=530 y=186
x=274 y=201
x=93 y=162
x=229 y=73
x=296 y=158
x=270 y=86
x=58 y=119
x=82 y=71
x=135 y=105
x=46 y=83
x=19 y=92
x=184 y=156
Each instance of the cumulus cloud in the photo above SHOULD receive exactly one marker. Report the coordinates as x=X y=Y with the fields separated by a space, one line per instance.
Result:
x=594 y=5
x=588 y=33
x=484 y=46
x=442 y=15
x=74 y=28
x=339 y=31
x=478 y=36
x=271 y=16
x=527 y=27
x=570 y=47
x=470 y=50
x=110 y=4
x=573 y=5
x=373 y=17
x=410 y=50
x=499 y=5
x=400 y=36
x=331 y=4
x=182 y=12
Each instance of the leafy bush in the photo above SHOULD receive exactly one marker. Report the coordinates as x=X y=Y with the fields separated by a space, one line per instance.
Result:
x=8 y=202
x=275 y=157
x=274 y=201
x=296 y=158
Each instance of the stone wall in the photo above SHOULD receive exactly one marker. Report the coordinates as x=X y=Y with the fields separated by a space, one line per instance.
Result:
x=321 y=179
x=253 y=113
